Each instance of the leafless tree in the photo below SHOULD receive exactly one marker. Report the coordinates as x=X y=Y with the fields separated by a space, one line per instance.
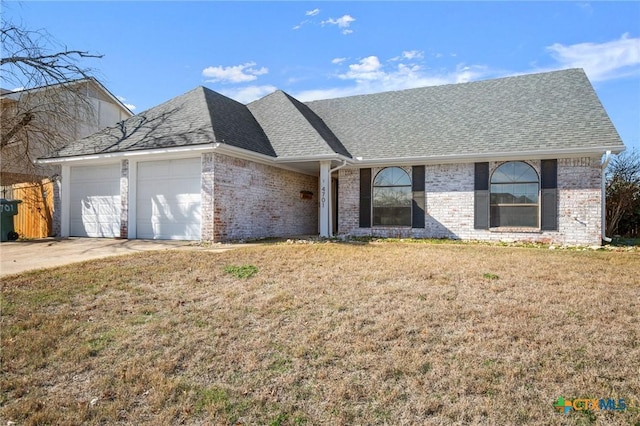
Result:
x=623 y=194
x=44 y=99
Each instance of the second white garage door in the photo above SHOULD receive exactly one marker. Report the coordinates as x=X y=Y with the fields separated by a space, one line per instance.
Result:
x=168 y=199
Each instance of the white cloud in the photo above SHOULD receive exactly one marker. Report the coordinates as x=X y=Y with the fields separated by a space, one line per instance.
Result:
x=368 y=68
x=601 y=61
x=412 y=54
x=369 y=75
x=409 y=55
x=343 y=22
x=297 y=27
x=313 y=12
x=249 y=93
x=234 y=74
x=123 y=100
x=466 y=73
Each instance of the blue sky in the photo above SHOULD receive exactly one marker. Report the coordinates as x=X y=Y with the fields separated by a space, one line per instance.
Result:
x=154 y=51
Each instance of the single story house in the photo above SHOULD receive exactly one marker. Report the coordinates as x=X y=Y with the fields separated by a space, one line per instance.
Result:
x=517 y=158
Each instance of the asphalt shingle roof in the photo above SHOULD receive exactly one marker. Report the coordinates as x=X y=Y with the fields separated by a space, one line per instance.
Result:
x=538 y=112
x=293 y=129
x=555 y=110
x=200 y=116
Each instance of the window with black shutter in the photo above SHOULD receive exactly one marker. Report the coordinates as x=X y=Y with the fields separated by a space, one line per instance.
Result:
x=481 y=196
x=549 y=195
x=417 y=182
x=365 y=198
x=392 y=197
x=514 y=196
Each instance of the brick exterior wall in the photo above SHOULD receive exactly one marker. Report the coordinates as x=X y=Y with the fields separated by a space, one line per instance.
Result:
x=252 y=200
x=580 y=200
x=349 y=202
x=449 y=199
x=207 y=197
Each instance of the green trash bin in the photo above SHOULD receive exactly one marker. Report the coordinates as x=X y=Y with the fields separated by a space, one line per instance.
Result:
x=8 y=209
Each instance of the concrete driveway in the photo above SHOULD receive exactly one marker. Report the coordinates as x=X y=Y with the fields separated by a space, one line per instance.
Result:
x=20 y=256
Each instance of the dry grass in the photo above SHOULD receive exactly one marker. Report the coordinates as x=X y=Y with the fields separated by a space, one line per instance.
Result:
x=380 y=333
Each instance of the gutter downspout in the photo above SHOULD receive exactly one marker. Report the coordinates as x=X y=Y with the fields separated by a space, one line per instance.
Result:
x=605 y=163
x=330 y=196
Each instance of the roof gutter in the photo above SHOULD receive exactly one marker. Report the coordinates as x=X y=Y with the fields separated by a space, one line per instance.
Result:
x=489 y=156
x=101 y=157
x=311 y=158
x=344 y=163
x=219 y=147
x=245 y=154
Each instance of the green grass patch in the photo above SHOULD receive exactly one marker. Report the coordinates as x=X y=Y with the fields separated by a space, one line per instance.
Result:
x=241 y=271
x=209 y=397
x=98 y=344
x=280 y=364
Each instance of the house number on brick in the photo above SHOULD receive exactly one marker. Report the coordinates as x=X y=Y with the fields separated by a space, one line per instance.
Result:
x=324 y=189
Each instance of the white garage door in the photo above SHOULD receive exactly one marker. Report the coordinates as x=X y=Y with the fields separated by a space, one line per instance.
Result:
x=95 y=201
x=168 y=199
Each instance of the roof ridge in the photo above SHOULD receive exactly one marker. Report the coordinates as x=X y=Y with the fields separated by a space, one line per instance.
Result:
x=292 y=126
x=457 y=84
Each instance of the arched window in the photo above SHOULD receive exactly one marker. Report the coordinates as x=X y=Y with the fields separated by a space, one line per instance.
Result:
x=392 y=197
x=514 y=195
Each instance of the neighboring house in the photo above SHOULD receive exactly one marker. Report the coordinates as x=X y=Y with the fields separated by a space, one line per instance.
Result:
x=518 y=158
x=36 y=123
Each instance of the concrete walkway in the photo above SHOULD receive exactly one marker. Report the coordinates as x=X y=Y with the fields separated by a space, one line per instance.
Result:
x=21 y=256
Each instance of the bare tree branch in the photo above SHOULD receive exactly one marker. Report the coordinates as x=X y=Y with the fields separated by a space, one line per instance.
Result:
x=29 y=55
x=623 y=194
x=50 y=102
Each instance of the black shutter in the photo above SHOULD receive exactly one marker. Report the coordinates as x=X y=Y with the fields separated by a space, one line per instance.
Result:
x=365 y=198
x=481 y=196
x=417 y=186
x=549 y=195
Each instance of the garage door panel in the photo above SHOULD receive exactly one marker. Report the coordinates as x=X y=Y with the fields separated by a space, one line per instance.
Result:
x=167 y=211
x=95 y=201
x=170 y=231
x=168 y=199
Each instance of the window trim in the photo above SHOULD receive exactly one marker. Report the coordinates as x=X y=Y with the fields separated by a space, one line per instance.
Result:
x=537 y=205
x=410 y=192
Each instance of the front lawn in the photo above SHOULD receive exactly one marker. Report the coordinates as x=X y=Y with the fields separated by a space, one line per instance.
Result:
x=325 y=333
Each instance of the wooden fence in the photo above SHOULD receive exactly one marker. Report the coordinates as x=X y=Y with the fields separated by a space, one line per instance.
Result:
x=35 y=213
